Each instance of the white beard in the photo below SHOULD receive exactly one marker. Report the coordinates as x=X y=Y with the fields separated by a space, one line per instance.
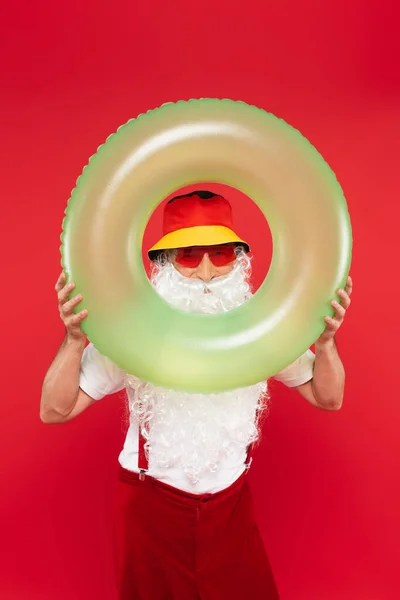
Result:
x=195 y=431
x=194 y=295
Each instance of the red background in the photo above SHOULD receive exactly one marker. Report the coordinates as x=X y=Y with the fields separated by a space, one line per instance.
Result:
x=326 y=484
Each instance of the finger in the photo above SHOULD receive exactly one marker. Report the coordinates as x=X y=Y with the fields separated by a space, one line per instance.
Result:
x=76 y=320
x=331 y=324
x=340 y=310
x=344 y=299
x=60 y=282
x=63 y=294
x=349 y=285
x=69 y=306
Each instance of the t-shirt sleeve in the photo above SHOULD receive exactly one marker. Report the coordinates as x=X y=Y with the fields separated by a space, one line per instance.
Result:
x=298 y=372
x=99 y=376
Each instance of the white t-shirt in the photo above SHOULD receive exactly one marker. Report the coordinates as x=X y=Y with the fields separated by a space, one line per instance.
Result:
x=99 y=377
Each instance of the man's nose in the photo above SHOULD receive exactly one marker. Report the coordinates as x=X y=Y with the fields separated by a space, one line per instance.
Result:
x=205 y=270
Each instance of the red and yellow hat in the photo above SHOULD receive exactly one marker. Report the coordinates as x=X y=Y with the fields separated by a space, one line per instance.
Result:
x=200 y=218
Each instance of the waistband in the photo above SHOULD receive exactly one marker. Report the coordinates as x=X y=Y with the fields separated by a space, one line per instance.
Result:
x=133 y=478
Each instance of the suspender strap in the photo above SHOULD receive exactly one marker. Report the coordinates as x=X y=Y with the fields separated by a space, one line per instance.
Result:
x=250 y=449
x=249 y=457
x=143 y=463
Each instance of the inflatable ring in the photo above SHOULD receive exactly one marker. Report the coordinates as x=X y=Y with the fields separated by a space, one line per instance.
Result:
x=149 y=158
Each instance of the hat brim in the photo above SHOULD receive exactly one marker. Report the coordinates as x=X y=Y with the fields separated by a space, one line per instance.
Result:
x=203 y=235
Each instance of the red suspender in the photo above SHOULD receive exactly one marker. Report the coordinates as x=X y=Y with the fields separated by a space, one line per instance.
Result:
x=249 y=457
x=143 y=463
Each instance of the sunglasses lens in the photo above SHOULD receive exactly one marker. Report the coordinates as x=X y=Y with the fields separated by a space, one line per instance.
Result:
x=189 y=257
x=222 y=255
x=219 y=255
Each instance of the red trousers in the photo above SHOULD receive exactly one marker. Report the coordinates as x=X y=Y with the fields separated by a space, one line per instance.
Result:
x=172 y=545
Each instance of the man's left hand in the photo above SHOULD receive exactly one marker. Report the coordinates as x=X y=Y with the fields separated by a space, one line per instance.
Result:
x=333 y=323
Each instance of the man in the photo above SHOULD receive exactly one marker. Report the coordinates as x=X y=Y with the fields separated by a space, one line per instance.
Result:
x=184 y=523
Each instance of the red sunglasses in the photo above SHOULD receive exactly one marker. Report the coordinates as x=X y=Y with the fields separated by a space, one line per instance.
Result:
x=220 y=256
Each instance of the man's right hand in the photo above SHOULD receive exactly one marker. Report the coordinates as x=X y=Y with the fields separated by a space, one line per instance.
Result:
x=66 y=307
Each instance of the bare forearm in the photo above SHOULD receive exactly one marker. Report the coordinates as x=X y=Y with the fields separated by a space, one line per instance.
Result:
x=61 y=384
x=329 y=376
